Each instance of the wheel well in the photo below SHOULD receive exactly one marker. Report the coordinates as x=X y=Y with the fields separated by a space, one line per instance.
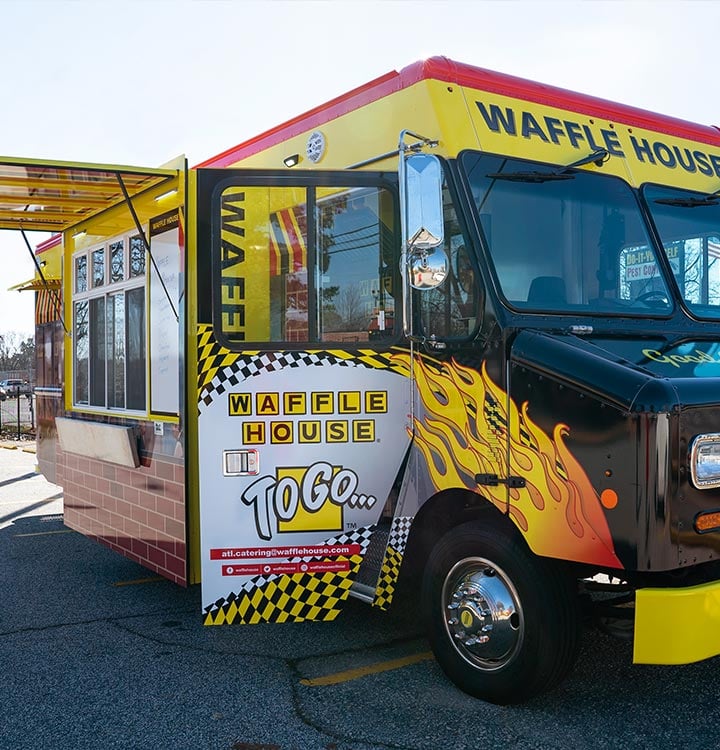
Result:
x=437 y=516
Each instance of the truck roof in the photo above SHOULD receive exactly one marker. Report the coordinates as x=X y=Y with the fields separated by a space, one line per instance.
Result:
x=462 y=74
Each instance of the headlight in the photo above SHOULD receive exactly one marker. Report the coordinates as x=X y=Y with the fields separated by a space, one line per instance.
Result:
x=705 y=461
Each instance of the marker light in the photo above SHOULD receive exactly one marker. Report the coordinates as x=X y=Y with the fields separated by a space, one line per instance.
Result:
x=707 y=521
x=291 y=161
x=705 y=461
x=167 y=194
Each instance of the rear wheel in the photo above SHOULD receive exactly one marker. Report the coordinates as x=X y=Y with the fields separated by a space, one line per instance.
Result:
x=503 y=623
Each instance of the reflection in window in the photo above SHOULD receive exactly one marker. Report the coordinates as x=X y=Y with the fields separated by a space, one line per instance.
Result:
x=97 y=351
x=81 y=273
x=117 y=258
x=448 y=311
x=355 y=275
x=135 y=386
x=82 y=352
x=565 y=241
x=137 y=256
x=288 y=270
x=98 y=267
x=689 y=226
x=316 y=264
x=116 y=351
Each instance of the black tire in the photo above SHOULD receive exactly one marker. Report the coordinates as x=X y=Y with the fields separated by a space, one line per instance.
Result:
x=504 y=624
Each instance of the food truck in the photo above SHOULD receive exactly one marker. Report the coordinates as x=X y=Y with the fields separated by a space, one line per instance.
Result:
x=454 y=325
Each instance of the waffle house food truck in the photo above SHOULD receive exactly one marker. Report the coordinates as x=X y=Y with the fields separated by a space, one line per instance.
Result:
x=452 y=323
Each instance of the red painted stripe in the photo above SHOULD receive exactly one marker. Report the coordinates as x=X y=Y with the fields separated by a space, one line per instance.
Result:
x=443 y=69
x=331 y=110
x=500 y=83
x=48 y=243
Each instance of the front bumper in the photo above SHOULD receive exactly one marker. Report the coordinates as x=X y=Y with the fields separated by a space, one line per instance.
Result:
x=677 y=626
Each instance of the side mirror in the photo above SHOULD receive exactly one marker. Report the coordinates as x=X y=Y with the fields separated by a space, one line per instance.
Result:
x=428 y=270
x=424 y=261
x=423 y=177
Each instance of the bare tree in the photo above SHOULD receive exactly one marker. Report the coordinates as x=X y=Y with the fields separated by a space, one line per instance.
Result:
x=17 y=353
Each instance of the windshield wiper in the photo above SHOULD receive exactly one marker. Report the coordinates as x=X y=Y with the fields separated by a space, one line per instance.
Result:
x=599 y=157
x=711 y=199
x=530 y=176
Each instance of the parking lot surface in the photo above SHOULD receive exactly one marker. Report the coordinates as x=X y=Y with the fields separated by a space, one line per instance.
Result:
x=98 y=653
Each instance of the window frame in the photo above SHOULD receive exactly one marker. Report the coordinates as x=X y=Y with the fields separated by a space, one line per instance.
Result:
x=107 y=290
x=702 y=311
x=473 y=306
x=516 y=307
x=312 y=182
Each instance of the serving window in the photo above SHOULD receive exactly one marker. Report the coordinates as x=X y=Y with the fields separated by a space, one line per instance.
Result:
x=109 y=329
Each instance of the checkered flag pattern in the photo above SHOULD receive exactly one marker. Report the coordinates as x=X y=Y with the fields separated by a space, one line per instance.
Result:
x=245 y=367
x=390 y=569
x=292 y=598
x=219 y=369
x=287 y=598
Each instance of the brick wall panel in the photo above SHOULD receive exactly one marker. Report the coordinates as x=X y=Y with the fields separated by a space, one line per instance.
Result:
x=146 y=500
x=138 y=512
x=157 y=556
x=131 y=528
x=165 y=507
x=174 y=528
x=165 y=470
x=140 y=549
x=156 y=521
x=175 y=491
x=131 y=494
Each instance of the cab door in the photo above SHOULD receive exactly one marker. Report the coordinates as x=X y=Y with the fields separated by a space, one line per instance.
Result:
x=302 y=392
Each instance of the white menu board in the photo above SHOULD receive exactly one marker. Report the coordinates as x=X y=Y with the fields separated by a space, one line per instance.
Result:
x=165 y=247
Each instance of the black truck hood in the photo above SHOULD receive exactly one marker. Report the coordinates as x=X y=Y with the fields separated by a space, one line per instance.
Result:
x=643 y=374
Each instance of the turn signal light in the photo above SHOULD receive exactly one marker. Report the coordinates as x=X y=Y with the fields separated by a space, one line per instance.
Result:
x=707 y=521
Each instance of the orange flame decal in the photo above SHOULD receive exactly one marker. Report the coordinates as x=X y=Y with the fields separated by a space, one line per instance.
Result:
x=467 y=429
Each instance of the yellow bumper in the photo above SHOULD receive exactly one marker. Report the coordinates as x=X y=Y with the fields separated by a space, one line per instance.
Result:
x=677 y=626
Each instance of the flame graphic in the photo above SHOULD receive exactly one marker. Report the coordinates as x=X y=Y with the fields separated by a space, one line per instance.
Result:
x=465 y=432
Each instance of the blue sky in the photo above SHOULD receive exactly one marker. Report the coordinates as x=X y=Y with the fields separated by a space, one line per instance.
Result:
x=141 y=82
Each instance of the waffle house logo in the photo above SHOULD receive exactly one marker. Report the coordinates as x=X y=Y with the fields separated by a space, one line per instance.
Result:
x=300 y=417
x=560 y=130
x=297 y=499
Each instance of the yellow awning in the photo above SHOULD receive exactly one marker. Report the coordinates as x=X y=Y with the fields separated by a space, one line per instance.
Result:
x=35 y=285
x=51 y=196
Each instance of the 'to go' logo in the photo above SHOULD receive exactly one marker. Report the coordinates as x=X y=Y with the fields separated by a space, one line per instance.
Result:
x=304 y=499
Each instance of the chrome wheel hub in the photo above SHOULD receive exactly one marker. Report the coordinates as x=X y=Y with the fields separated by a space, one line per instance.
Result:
x=482 y=613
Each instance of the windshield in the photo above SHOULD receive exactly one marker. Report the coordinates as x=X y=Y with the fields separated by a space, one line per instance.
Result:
x=565 y=240
x=689 y=227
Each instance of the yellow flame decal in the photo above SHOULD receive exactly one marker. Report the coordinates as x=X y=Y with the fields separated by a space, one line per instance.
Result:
x=468 y=425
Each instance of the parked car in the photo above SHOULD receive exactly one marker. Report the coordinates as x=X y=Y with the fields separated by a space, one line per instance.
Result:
x=14 y=387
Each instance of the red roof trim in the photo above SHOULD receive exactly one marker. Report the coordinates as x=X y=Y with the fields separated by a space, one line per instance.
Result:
x=337 y=107
x=41 y=247
x=500 y=83
x=443 y=69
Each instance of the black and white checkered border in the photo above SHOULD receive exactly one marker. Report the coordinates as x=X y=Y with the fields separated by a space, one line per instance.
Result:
x=399 y=532
x=248 y=367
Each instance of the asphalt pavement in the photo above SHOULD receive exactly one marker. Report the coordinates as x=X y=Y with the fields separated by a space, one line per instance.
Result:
x=96 y=653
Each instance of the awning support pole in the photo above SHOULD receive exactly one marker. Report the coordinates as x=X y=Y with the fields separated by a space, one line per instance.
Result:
x=53 y=292
x=138 y=226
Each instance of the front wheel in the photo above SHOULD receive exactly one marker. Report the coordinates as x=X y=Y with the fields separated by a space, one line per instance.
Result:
x=503 y=623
